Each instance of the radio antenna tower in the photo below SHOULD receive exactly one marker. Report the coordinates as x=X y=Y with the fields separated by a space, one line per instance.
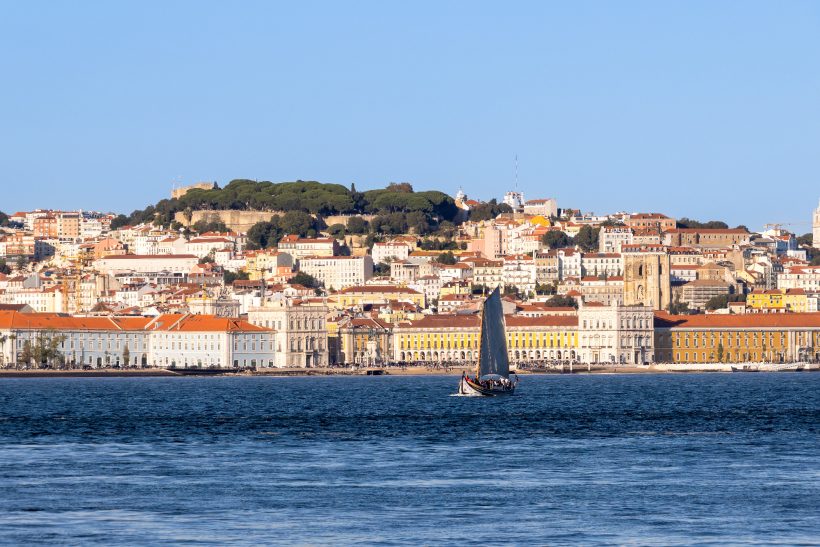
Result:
x=516 y=172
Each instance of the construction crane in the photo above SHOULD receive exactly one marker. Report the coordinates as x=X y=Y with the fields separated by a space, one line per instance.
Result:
x=777 y=225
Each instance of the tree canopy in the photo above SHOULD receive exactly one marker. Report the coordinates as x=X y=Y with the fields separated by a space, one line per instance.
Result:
x=712 y=224
x=268 y=234
x=421 y=211
x=306 y=280
x=556 y=239
x=561 y=301
x=587 y=238
x=720 y=302
x=488 y=210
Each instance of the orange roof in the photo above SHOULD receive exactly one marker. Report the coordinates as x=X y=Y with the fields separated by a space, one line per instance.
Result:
x=203 y=323
x=197 y=323
x=377 y=289
x=45 y=321
x=754 y=320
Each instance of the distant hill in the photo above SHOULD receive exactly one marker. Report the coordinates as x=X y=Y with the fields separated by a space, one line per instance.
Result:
x=307 y=196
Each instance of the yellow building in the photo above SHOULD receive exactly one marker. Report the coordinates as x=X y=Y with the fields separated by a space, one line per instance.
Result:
x=778 y=300
x=455 y=338
x=456 y=287
x=737 y=338
x=362 y=295
x=365 y=341
x=267 y=262
x=540 y=220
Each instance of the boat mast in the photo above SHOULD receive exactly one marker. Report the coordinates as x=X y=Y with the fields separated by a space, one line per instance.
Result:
x=480 y=332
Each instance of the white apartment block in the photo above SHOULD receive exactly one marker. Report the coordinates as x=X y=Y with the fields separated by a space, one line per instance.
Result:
x=299 y=329
x=338 y=272
x=390 y=251
x=616 y=334
x=117 y=264
x=569 y=263
x=606 y=264
x=166 y=341
x=800 y=277
x=610 y=238
x=519 y=271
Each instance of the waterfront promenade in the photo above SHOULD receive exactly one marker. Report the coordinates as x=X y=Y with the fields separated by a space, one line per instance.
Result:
x=418 y=370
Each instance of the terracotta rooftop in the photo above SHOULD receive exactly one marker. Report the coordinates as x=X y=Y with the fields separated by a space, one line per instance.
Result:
x=753 y=320
x=374 y=289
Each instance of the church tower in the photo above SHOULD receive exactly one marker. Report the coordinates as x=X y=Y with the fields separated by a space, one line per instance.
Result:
x=816 y=228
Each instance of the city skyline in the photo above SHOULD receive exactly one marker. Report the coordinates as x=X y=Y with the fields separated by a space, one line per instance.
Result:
x=636 y=107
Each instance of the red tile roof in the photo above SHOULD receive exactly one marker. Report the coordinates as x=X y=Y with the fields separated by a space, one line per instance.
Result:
x=754 y=320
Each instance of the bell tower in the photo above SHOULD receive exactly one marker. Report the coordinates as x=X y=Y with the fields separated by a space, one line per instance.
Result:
x=816 y=228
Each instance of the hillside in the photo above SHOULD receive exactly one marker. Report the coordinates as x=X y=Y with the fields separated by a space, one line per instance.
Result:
x=316 y=198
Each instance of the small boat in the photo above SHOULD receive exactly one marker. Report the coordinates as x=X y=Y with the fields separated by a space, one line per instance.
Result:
x=746 y=368
x=492 y=376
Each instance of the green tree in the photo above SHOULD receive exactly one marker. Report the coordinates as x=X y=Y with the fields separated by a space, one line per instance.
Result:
x=587 y=238
x=4 y=267
x=119 y=221
x=381 y=269
x=720 y=351
x=677 y=307
x=545 y=288
x=712 y=224
x=299 y=223
x=4 y=219
x=126 y=356
x=357 y=225
x=203 y=226
x=806 y=239
x=561 y=301
x=304 y=279
x=336 y=231
x=721 y=301
x=447 y=258
x=556 y=239
x=26 y=355
x=488 y=210
x=229 y=277
x=46 y=349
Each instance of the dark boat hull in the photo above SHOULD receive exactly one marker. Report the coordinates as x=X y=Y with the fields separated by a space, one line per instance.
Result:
x=468 y=387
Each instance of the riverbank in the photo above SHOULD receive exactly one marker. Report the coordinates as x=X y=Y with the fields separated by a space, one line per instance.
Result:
x=386 y=371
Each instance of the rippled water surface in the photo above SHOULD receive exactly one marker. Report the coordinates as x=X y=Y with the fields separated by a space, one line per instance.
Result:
x=646 y=459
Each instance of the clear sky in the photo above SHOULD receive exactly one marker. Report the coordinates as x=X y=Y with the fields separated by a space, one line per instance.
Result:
x=703 y=109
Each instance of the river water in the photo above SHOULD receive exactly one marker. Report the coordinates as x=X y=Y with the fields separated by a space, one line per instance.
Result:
x=592 y=459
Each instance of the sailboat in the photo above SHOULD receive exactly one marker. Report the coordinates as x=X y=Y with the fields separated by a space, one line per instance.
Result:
x=492 y=376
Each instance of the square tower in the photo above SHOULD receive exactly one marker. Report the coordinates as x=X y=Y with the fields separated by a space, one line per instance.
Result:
x=646 y=280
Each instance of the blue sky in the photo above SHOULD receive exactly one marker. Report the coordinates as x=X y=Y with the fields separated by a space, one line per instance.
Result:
x=702 y=109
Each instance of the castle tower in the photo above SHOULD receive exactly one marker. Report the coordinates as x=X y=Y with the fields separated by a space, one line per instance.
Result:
x=816 y=228
x=646 y=280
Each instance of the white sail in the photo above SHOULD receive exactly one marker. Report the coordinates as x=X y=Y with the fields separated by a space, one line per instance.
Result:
x=493 y=359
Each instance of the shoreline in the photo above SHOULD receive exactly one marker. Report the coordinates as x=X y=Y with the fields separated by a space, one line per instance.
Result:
x=387 y=371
